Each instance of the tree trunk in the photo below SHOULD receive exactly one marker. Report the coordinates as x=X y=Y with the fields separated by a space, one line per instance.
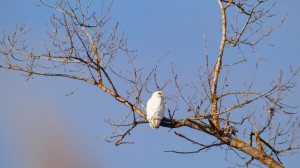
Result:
x=259 y=155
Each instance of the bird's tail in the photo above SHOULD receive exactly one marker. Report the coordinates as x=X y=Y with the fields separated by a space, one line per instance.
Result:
x=155 y=122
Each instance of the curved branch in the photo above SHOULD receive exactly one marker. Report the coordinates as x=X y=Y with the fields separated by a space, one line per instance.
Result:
x=218 y=66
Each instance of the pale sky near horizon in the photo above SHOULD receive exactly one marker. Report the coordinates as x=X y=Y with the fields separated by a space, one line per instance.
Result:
x=38 y=121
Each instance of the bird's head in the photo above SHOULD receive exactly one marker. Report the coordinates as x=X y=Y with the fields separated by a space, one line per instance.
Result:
x=159 y=93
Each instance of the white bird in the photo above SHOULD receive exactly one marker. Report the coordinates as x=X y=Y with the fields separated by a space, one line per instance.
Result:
x=155 y=109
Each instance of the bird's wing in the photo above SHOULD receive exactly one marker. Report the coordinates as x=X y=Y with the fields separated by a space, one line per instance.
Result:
x=155 y=108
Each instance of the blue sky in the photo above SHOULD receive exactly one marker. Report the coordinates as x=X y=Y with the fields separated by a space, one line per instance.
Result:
x=36 y=113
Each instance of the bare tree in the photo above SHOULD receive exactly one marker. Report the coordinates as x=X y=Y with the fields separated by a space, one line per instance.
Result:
x=83 y=45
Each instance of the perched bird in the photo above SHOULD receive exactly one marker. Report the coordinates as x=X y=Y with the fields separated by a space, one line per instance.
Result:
x=155 y=109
